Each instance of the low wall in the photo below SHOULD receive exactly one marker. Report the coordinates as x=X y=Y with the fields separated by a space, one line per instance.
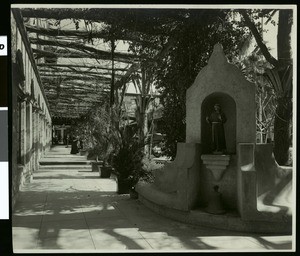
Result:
x=251 y=174
x=269 y=173
x=176 y=185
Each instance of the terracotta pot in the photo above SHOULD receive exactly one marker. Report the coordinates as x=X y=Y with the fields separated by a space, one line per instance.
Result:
x=123 y=187
x=133 y=194
x=105 y=171
x=95 y=166
x=83 y=152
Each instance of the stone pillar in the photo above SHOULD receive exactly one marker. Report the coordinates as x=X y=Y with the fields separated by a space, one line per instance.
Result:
x=47 y=136
x=35 y=138
x=23 y=133
x=48 y=132
x=39 y=136
x=44 y=134
x=28 y=138
x=33 y=130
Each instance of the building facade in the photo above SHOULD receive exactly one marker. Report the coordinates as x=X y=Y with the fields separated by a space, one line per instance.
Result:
x=31 y=120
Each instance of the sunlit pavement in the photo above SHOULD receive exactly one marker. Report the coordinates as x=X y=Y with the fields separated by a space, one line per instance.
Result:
x=74 y=210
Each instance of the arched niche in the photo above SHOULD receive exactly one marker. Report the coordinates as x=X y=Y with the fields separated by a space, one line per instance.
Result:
x=228 y=106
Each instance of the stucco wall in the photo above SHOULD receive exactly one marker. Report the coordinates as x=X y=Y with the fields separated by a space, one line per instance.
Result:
x=269 y=173
x=29 y=126
x=222 y=77
x=227 y=185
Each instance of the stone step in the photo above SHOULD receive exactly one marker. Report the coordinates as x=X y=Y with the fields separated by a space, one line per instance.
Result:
x=64 y=156
x=45 y=162
x=65 y=166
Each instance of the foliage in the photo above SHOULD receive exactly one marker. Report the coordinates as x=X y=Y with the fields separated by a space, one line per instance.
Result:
x=192 y=39
x=83 y=131
x=98 y=133
x=254 y=67
x=174 y=44
x=149 y=165
x=280 y=76
x=127 y=161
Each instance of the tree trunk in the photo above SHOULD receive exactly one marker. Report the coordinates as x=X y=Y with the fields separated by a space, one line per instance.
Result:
x=284 y=51
x=282 y=136
x=284 y=95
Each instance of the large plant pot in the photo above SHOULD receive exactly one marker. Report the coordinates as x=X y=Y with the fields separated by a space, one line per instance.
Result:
x=123 y=187
x=105 y=171
x=83 y=152
x=96 y=165
x=133 y=194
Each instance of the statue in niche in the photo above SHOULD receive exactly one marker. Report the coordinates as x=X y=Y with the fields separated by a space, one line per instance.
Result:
x=216 y=119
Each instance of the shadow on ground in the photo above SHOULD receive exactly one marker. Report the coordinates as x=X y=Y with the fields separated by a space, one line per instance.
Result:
x=85 y=212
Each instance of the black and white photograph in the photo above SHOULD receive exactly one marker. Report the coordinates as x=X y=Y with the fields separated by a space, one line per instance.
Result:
x=153 y=128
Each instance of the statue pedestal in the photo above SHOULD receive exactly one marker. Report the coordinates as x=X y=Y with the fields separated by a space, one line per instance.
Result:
x=217 y=164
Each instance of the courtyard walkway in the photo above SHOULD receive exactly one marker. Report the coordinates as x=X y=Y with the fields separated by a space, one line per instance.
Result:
x=68 y=207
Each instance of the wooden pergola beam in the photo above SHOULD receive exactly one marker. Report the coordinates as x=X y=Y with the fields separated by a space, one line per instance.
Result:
x=71 y=49
x=72 y=76
x=74 y=79
x=70 y=69
x=71 y=92
x=61 y=33
x=93 y=89
x=50 y=88
x=61 y=71
x=147 y=21
x=138 y=94
x=75 y=102
x=63 y=53
x=82 y=47
x=79 y=66
x=89 y=87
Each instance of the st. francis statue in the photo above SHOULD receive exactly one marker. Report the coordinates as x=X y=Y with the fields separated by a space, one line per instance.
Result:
x=217 y=118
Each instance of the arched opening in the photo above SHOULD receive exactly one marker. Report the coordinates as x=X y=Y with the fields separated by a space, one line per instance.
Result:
x=228 y=106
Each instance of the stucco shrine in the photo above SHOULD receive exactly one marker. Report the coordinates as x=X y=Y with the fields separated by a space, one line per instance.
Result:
x=254 y=191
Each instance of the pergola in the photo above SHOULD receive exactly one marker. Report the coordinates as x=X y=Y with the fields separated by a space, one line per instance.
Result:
x=82 y=55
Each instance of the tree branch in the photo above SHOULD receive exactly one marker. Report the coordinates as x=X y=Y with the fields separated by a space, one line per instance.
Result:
x=258 y=38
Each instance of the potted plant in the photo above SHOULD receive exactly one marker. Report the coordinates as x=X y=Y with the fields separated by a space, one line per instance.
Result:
x=127 y=164
x=104 y=140
x=95 y=154
x=105 y=169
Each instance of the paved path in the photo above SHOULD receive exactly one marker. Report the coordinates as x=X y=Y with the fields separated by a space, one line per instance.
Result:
x=72 y=209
